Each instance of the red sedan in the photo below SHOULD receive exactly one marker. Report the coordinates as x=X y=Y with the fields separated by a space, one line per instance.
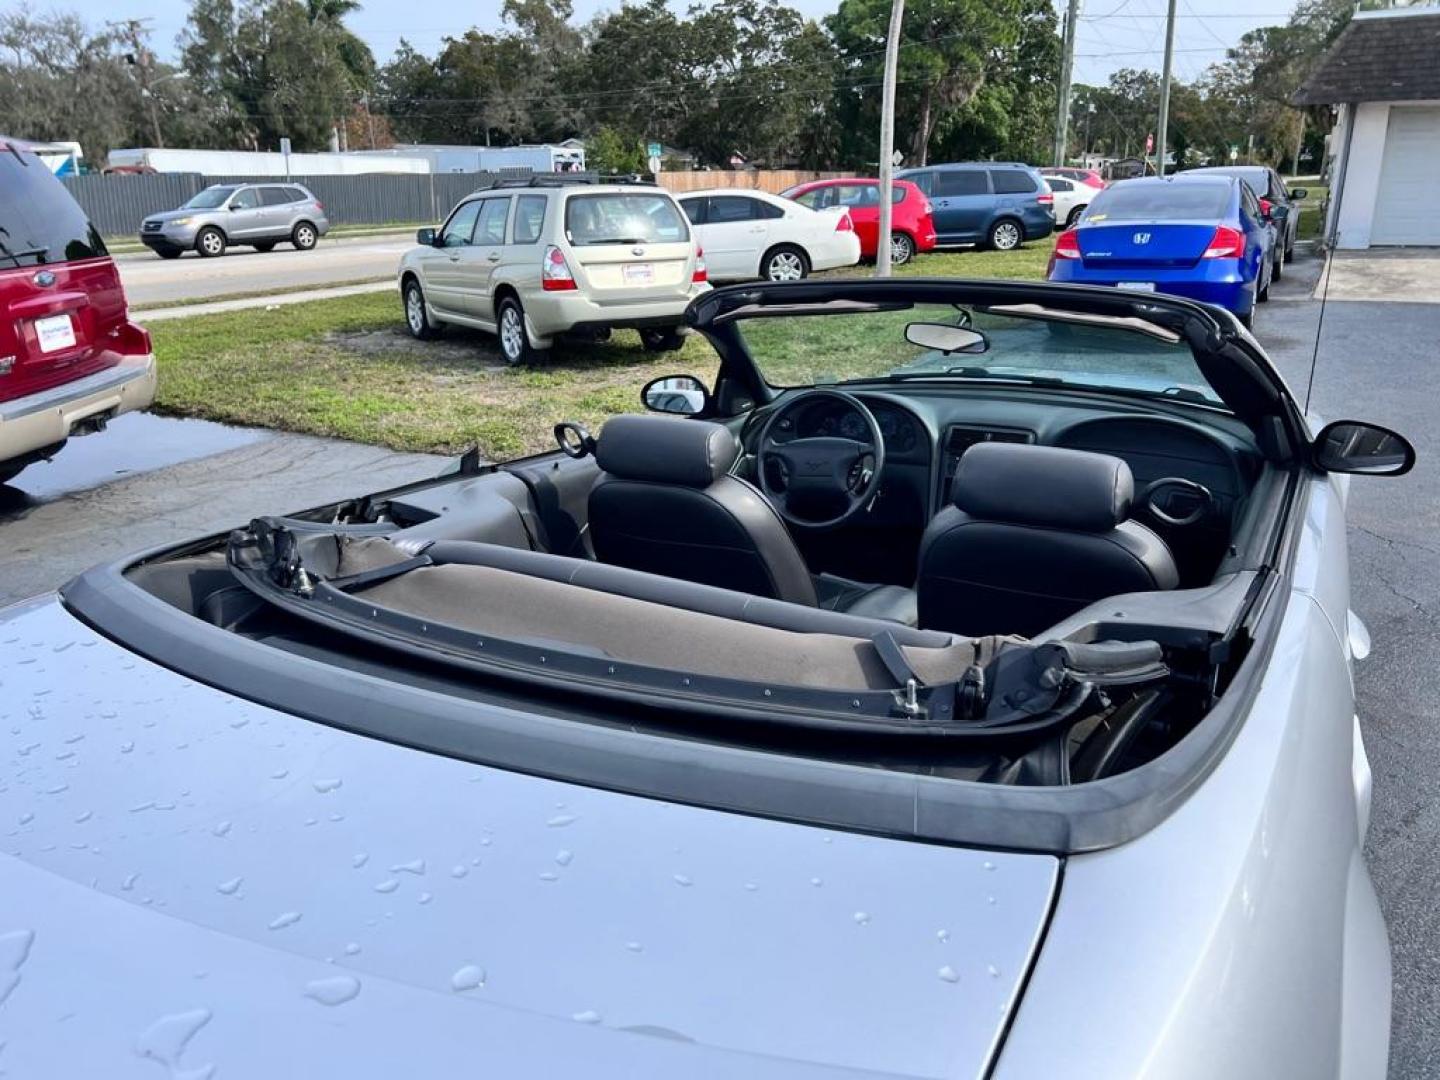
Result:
x=911 y=227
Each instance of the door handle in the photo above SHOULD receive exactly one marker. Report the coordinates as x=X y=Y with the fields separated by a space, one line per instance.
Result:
x=494 y=256
x=454 y=256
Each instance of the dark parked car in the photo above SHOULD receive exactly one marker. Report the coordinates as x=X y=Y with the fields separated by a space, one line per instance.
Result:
x=1000 y=204
x=70 y=358
x=1277 y=200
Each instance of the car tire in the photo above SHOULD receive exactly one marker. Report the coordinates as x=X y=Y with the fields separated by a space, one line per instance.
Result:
x=417 y=319
x=210 y=242
x=1007 y=234
x=304 y=236
x=264 y=246
x=1262 y=291
x=1277 y=271
x=902 y=249
x=785 y=263
x=662 y=339
x=8 y=472
x=515 y=344
x=1073 y=216
x=169 y=253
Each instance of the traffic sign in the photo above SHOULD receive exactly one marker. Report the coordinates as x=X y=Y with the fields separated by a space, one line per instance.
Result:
x=897 y=158
x=654 y=150
x=654 y=163
x=1234 y=152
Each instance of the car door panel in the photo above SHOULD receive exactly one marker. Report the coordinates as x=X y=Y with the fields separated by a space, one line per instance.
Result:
x=245 y=217
x=479 y=259
x=733 y=234
x=440 y=265
x=962 y=203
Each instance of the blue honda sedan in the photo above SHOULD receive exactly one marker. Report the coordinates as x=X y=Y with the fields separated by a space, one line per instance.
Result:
x=1201 y=237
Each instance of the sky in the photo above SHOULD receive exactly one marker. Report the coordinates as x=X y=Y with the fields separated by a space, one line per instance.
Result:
x=1112 y=34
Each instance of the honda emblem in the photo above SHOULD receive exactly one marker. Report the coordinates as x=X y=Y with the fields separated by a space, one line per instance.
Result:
x=1142 y=238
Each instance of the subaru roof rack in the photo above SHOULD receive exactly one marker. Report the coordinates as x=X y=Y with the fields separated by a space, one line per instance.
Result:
x=538 y=180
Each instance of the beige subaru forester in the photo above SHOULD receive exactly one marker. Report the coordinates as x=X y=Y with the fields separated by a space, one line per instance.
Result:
x=531 y=260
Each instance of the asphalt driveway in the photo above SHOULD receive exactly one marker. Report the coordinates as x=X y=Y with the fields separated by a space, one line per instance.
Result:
x=1377 y=361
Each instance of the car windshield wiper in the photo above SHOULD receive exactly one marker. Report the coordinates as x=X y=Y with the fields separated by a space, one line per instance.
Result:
x=618 y=240
x=23 y=253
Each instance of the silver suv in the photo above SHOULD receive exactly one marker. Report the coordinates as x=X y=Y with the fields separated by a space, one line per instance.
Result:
x=254 y=215
x=531 y=260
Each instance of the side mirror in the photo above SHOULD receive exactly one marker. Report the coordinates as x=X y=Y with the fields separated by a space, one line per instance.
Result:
x=1296 y=194
x=425 y=237
x=678 y=395
x=1353 y=446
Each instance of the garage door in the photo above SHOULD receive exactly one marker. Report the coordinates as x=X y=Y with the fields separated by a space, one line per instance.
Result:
x=1405 y=205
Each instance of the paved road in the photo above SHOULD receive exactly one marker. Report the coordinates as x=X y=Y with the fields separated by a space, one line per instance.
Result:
x=150 y=280
x=1376 y=362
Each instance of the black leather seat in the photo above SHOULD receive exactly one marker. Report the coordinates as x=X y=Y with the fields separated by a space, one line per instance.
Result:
x=1035 y=534
x=668 y=505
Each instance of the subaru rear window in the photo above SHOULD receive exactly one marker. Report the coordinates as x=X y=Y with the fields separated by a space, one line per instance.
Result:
x=624 y=219
x=39 y=221
x=1160 y=202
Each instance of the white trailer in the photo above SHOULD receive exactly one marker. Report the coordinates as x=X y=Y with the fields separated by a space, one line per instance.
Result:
x=265 y=163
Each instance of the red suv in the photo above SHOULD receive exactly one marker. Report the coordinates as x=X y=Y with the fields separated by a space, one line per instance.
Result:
x=70 y=358
x=911 y=228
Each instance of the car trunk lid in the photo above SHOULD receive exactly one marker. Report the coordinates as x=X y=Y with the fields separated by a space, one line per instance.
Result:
x=629 y=246
x=238 y=869
x=1138 y=244
x=58 y=324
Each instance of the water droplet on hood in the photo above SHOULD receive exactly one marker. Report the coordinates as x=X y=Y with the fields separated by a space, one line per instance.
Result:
x=949 y=974
x=588 y=1016
x=389 y=885
x=563 y=857
x=284 y=919
x=862 y=918
x=221 y=829
x=26 y=818
x=414 y=866
x=943 y=936
x=126 y=747
x=166 y=1040
x=459 y=870
x=634 y=946
x=324 y=787
x=279 y=774
x=683 y=881
x=336 y=990
x=993 y=971
x=359 y=860
x=129 y=882
x=559 y=821
x=469 y=977
x=989 y=865
x=231 y=887
x=352 y=949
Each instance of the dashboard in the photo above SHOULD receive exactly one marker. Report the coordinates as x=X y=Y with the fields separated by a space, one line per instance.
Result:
x=904 y=433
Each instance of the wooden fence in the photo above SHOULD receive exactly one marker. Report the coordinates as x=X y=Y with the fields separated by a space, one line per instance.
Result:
x=772 y=180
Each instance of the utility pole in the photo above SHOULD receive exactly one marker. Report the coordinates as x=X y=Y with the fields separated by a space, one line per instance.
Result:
x=887 y=137
x=1067 y=62
x=133 y=32
x=1160 y=131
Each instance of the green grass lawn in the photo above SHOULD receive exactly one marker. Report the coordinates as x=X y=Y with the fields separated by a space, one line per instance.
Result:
x=1311 y=221
x=346 y=368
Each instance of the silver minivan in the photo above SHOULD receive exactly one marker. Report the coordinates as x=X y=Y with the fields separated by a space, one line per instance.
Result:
x=253 y=215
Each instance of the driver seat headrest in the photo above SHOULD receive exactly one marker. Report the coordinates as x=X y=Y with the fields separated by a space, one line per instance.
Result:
x=666 y=450
x=1044 y=486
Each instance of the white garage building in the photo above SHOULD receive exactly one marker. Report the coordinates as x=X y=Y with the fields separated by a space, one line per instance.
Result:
x=1383 y=76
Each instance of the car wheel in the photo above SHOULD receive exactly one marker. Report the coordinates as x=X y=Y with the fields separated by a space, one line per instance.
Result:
x=304 y=236
x=210 y=243
x=785 y=264
x=1074 y=216
x=264 y=246
x=1278 y=270
x=417 y=319
x=169 y=253
x=9 y=472
x=1262 y=291
x=1005 y=235
x=514 y=342
x=1290 y=253
x=662 y=339
x=902 y=249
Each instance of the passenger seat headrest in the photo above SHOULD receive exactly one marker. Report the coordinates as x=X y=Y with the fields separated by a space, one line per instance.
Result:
x=1044 y=486
x=666 y=450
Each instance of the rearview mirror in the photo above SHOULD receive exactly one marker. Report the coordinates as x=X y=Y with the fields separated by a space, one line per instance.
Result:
x=1296 y=194
x=946 y=338
x=425 y=237
x=678 y=395
x=1353 y=446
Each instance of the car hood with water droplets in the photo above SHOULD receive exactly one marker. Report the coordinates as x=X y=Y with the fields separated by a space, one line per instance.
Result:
x=196 y=882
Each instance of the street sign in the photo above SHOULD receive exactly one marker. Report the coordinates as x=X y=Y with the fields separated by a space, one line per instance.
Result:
x=1234 y=152
x=897 y=158
x=285 y=146
x=654 y=150
x=654 y=163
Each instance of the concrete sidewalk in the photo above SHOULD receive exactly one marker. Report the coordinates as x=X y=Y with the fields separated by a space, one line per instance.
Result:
x=214 y=307
x=1395 y=275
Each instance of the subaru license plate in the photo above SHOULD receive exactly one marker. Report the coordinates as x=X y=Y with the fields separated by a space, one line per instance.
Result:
x=639 y=273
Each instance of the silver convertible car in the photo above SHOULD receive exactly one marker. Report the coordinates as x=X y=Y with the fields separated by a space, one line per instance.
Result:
x=963 y=691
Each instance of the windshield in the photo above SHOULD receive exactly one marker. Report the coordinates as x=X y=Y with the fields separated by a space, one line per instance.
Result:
x=829 y=346
x=1160 y=202
x=624 y=219
x=209 y=199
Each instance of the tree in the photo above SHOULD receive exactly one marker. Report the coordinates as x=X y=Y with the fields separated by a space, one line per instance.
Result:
x=609 y=150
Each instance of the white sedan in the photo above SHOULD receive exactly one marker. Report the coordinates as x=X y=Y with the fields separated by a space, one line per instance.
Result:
x=1071 y=199
x=753 y=234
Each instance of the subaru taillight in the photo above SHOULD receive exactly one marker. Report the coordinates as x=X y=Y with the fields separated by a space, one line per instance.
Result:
x=555 y=275
x=845 y=224
x=701 y=275
x=1067 y=245
x=1227 y=243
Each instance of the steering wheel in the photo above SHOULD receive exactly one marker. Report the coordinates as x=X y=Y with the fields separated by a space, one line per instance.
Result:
x=805 y=479
x=1194 y=500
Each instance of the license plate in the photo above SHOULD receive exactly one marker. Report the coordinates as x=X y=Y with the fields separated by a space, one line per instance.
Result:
x=55 y=333
x=1136 y=286
x=639 y=273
